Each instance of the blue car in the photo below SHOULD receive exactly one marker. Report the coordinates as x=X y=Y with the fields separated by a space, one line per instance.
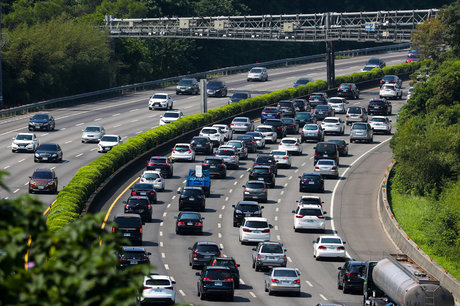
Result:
x=270 y=112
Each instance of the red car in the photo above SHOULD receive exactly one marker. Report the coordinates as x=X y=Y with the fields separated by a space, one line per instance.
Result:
x=43 y=180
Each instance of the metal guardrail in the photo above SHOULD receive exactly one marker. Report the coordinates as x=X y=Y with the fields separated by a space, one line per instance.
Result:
x=115 y=91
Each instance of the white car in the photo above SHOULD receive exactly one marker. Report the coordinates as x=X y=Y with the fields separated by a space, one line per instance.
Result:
x=25 y=142
x=258 y=74
x=158 y=288
x=329 y=246
x=309 y=216
x=410 y=92
x=242 y=124
x=333 y=125
x=228 y=133
x=259 y=138
x=381 y=124
x=92 y=133
x=214 y=134
x=282 y=158
x=161 y=101
x=170 y=116
x=309 y=200
x=327 y=167
x=107 y=143
x=254 y=229
x=338 y=104
x=154 y=178
x=292 y=145
x=391 y=91
x=183 y=151
x=268 y=132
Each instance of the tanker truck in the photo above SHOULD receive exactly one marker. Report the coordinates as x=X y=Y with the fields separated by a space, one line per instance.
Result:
x=398 y=280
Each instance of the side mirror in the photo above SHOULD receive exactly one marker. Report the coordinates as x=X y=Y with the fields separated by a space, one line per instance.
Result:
x=244 y=186
x=324 y=212
x=390 y=121
x=293 y=211
x=30 y=177
x=149 y=253
x=202 y=218
x=262 y=207
x=285 y=250
x=254 y=249
x=270 y=226
x=174 y=282
x=233 y=206
x=314 y=147
x=178 y=192
x=339 y=268
x=237 y=265
x=124 y=202
x=197 y=273
x=300 y=178
x=161 y=116
x=220 y=249
x=344 y=242
x=314 y=241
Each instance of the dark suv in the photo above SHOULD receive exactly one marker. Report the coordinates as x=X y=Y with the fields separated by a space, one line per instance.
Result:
x=130 y=227
x=249 y=141
x=139 y=205
x=263 y=173
x=192 y=198
x=43 y=180
x=311 y=182
x=216 y=88
x=188 y=86
x=202 y=144
x=379 y=106
x=216 y=166
x=162 y=164
x=231 y=264
x=202 y=253
x=245 y=209
x=267 y=160
x=349 y=276
x=317 y=98
x=42 y=122
x=348 y=90
x=326 y=150
x=216 y=281
x=130 y=256
x=279 y=126
x=270 y=112
x=393 y=79
x=144 y=189
x=287 y=108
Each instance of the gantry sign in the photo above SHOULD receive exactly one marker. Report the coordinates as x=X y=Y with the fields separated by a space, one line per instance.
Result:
x=379 y=26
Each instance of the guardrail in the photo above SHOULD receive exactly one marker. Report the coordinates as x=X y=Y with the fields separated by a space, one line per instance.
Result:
x=115 y=91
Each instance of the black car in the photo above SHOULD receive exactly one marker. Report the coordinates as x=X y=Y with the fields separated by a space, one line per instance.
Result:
x=279 y=126
x=216 y=89
x=263 y=173
x=144 y=189
x=202 y=144
x=216 y=166
x=394 y=79
x=130 y=227
x=42 y=122
x=287 y=108
x=292 y=127
x=130 y=256
x=230 y=263
x=202 y=253
x=379 y=106
x=348 y=90
x=302 y=105
x=349 y=278
x=216 y=281
x=326 y=150
x=318 y=98
x=311 y=182
x=162 y=164
x=249 y=141
x=238 y=96
x=48 y=152
x=323 y=111
x=267 y=160
x=245 y=209
x=192 y=198
x=303 y=118
x=139 y=205
x=189 y=222
x=376 y=62
x=188 y=86
x=342 y=145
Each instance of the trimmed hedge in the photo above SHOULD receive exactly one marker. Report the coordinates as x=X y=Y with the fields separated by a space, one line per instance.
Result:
x=72 y=198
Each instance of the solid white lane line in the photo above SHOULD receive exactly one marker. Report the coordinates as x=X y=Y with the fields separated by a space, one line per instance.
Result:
x=63 y=129
x=323 y=297
x=309 y=284
x=139 y=132
x=133 y=110
x=252 y=294
x=93 y=149
x=47 y=134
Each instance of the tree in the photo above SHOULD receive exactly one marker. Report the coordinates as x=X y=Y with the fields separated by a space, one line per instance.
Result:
x=429 y=38
x=450 y=17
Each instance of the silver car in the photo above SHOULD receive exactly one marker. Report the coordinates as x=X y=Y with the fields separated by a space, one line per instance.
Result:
x=269 y=254
x=229 y=155
x=356 y=114
x=92 y=133
x=312 y=131
x=381 y=124
x=338 y=104
x=283 y=280
x=258 y=74
x=327 y=167
x=255 y=191
x=154 y=178
x=242 y=124
x=240 y=147
x=361 y=132
x=282 y=158
x=268 y=132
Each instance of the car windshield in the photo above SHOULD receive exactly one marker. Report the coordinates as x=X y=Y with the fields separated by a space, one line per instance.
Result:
x=359 y=127
x=270 y=110
x=272 y=248
x=157 y=96
x=235 y=144
x=133 y=255
x=192 y=192
x=157 y=282
x=283 y=153
x=213 y=161
x=310 y=201
x=247 y=207
x=190 y=216
x=339 y=142
x=378 y=120
x=255 y=185
x=254 y=134
x=207 y=248
x=109 y=139
x=311 y=177
x=181 y=148
x=40 y=117
x=284 y=273
x=199 y=140
x=158 y=160
x=151 y=175
x=138 y=201
x=285 y=104
x=326 y=147
x=331 y=240
x=389 y=78
x=240 y=120
x=225 y=152
x=376 y=103
x=256 y=70
x=303 y=115
x=368 y=68
x=186 y=82
x=48 y=147
x=331 y=120
x=311 y=127
x=24 y=137
x=256 y=224
x=264 y=129
x=215 y=84
x=288 y=120
x=244 y=137
x=171 y=115
x=354 y=110
x=289 y=141
x=240 y=95
x=373 y=61
x=273 y=122
x=128 y=221
x=345 y=86
x=316 y=97
x=322 y=107
x=218 y=274
x=261 y=170
x=265 y=159
x=143 y=186
x=44 y=175
x=92 y=129
x=354 y=268
x=209 y=131
x=388 y=86
x=224 y=263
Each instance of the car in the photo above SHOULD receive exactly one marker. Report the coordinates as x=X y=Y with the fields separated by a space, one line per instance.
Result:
x=202 y=144
x=374 y=62
x=263 y=173
x=250 y=142
x=92 y=133
x=216 y=88
x=170 y=116
x=326 y=150
x=240 y=148
x=153 y=177
x=259 y=138
x=279 y=126
x=282 y=158
x=230 y=156
x=303 y=118
x=355 y=114
x=415 y=51
x=129 y=226
x=254 y=229
x=239 y=96
x=311 y=182
x=27 y=142
x=410 y=91
x=216 y=281
x=158 y=289
x=270 y=112
x=43 y=180
x=329 y=246
x=318 y=98
x=139 y=205
x=255 y=190
x=323 y=111
x=303 y=81
x=412 y=58
x=130 y=256
x=214 y=133
x=391 y=91
x=161 y=101
x=339 y=105
x=229 y=262
x=258 y=74
x=48 y=152
x=268 y=254
x=285 y=280
x=163 y=164
x=202 y=252
x=309 y=217
x=292 y=145
x=144 y=189
x=380 y=124
x=269 y=133
x=333 y=125
x=342 y=145
x=292 y=127
x=348 y=90
x=183 y=151
x=188 y=86
x=310 y=200
x=266 y=160
x=108 y=142
x=42 y=121
x=242 y=124
x=192 y=198
x=245 y=209
x=226 y=129
x=348 y=278
x=327 y=168
x=392 y=79
x=361 y=132
x=187 y=222
x=287 y=107
x=313 y=132
x=216 y=166
x=379 y=106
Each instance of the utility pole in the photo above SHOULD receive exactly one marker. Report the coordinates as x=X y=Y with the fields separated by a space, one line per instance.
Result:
x=330 y=64
x=204 y=96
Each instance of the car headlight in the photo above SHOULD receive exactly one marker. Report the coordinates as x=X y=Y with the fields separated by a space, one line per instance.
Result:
x=54 y=154
x=14 y=145
x=99 y=147
x=51 y=183
x=37 y=155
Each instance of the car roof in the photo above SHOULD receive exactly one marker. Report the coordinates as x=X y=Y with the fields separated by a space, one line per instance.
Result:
x=265 y=126
x=380 y=117
x=110 y=135
x=226 y=147
x=206 y=243
x=233 y=140
x=31 y=134
x=289 y=138
x=173 y=111
x=271 y=242
x=134 y=216
x=192 y=188
x=158 y=157
x=311 y=206
x=246 y=118
x=156 y=276
x=330 y=236
x=182 y=144
x=310 y=197
x=220 y=125
x=213 y=157
x=335 y=118
x=255 y=219
x=151 y=171
x=133 y=249
x=279 y=150
x=161 y=93
x=139 y=197
x=255 y=182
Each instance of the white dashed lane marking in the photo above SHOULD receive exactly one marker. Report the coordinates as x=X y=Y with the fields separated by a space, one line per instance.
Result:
x=78 y=155
x=69 y=141
x=252 y=294
x=166 y=267
x=161 y=243
x=117 y=114
x=323 y=297
x=308 y=283
x=163 y=255
x=182 y=292
x=16 y=191
x=219 y=235
x=221 y=246
x=223 y=206
x=78 y=124
x=20 y=161
x=6 y=167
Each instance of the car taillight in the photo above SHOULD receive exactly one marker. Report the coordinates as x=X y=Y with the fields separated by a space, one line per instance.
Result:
x=127 y=206
x=347 y=115
x=360 y=116
x=297 y=281
x=316 y=167
x=207 y=279
x=147 y=287
x=265 y=190
x=271 y=134
x=302 y=132
x=181 y=223
x=274 y=280
x=169 y=287
x=277 y=114
x=246 y=230
x=245 y=190
x=140 y=230
x=340 y=248
x=320 y=217
x=199 y=224
x=219 y=254
x=228 y=279
x=133 y=192
x=181 y=202
x=205 y=164
x=113 y=229
x=190 y=151
x=351 y=274
x=231 y=124
x=259 y=257
x=152 y=193
x=201 y=134
x=174 y=150
x=246 y=124
x=266 y=230
x=286 y=157
x=281 y=143
x=334 y=168
x=319 y=132
x=279 y=128
x=236 y=266
x=216 y=134
x=322 y=247
x=194 y=254
x=316 y=154
x=148 y=206
x=297 y=144
x=299 y=216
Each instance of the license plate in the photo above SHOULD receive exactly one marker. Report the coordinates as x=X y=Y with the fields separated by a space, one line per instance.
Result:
x=127 y=234
x=309 y=221
x=189 y=223
x=218 y=283
x=207 y=256
x=325 y=155
x=311 y=183
x=182 y=89
x=285 y=282
x=192 y=199
x=256 y=232
x=143 y=193
x=133 y=262
x=271 y=258
x=213 y=167
x=260 y=178
x=45 y=158
x=157 y=169
x=41 y=187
